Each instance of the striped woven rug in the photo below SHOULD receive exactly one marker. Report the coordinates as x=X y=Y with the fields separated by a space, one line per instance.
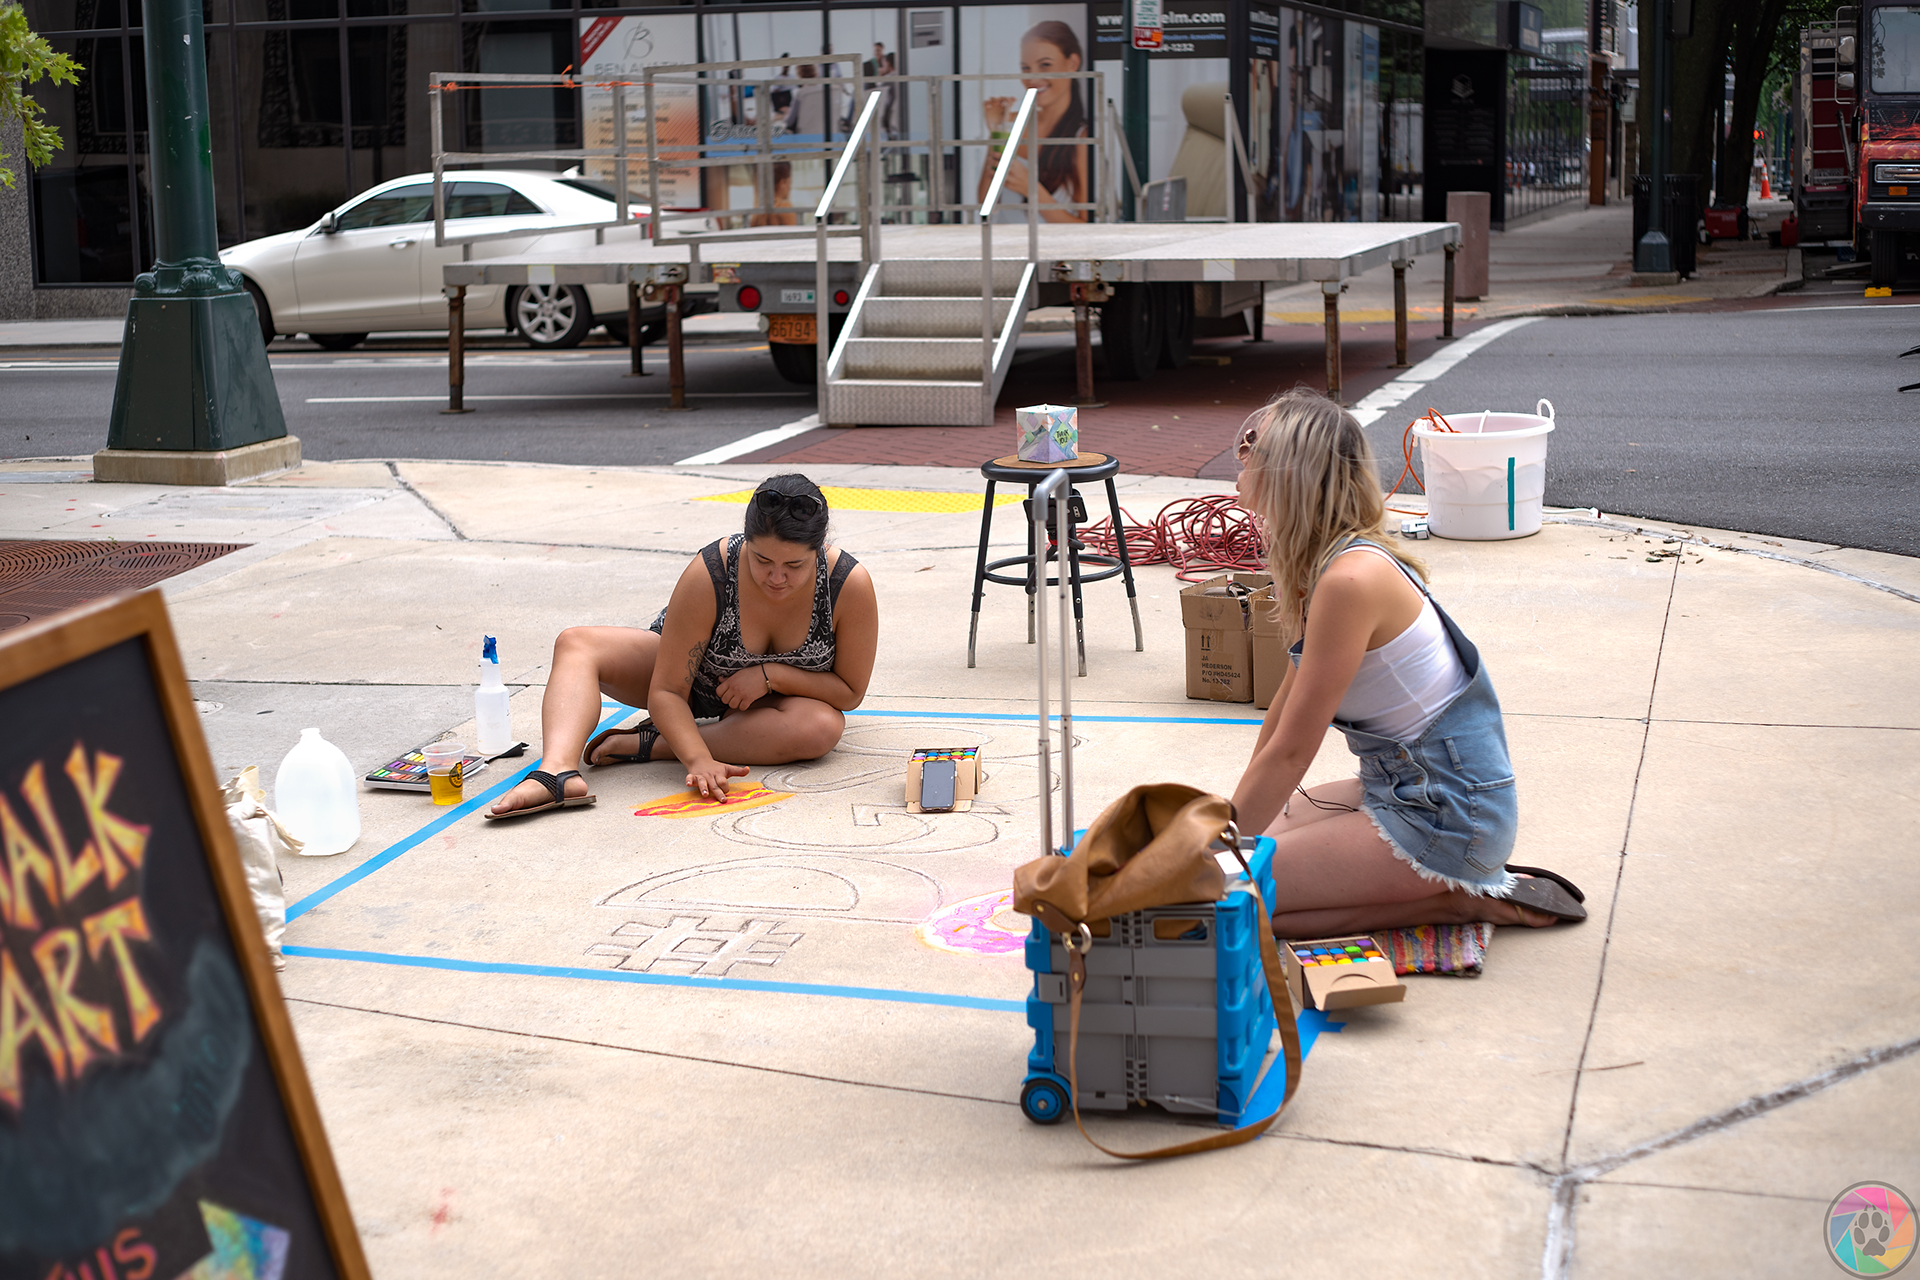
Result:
x=1456 y=949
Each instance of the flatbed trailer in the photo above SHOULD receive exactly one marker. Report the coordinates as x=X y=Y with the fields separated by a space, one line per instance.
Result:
x=912 y=311
x=1112 y=266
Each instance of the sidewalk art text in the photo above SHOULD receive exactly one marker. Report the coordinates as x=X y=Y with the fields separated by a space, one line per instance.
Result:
x=69 y=984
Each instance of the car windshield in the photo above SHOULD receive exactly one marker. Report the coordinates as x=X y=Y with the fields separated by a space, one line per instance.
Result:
x=390 y=209
x=1894 y=50
x=592 y=188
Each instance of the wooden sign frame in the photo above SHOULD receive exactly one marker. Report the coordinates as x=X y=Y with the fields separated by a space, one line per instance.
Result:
x=47 y=646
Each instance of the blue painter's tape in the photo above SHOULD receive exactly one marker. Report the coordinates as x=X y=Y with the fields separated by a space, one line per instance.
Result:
x=439 y=824
x=1010 y=715
x=1509 y=495
x=1273 y=1087
x=449 y=963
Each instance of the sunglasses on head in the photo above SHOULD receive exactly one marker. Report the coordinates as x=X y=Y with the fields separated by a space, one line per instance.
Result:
x=1244 y=449
x=804 y=506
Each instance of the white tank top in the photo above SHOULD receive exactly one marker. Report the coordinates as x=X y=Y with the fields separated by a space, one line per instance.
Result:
x=1402 y=686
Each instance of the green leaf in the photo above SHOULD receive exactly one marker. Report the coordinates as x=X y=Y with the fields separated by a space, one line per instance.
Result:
x=26 y=59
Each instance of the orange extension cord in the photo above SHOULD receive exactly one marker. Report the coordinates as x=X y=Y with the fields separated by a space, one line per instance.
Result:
x=1201 y=537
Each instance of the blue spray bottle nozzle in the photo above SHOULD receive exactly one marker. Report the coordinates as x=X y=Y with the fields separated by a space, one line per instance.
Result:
x=488 y=651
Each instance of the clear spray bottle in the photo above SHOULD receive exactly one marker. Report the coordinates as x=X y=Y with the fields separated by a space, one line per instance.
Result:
x=493 y=725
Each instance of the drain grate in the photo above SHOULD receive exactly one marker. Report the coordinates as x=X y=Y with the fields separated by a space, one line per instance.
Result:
x=42 y=578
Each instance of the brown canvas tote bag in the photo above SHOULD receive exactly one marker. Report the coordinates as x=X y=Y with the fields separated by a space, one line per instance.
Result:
x=1150 y=848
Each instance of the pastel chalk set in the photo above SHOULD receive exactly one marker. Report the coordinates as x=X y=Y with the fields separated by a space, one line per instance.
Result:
x=943 y=779
x=1341 y=973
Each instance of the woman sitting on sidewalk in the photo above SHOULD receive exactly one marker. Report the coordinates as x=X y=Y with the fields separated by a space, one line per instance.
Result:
x=1422 y=835
x=769 y=637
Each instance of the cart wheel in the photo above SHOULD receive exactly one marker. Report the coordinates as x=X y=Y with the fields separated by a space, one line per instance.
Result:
x=1044 y=1101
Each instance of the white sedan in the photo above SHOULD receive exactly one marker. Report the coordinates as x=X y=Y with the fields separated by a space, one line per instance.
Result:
x=371 y=264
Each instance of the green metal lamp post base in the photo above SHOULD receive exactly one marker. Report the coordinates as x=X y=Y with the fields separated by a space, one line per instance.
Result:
x=194 y=380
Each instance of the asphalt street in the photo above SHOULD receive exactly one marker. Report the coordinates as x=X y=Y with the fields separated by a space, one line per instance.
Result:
x=1779 y=417
x=385 y=401
x=1783 y=420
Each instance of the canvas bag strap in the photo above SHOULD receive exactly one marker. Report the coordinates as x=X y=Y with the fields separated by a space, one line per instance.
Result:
x=1277 y=988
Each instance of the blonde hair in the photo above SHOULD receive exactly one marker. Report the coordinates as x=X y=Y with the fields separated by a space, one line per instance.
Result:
x=1316 y=485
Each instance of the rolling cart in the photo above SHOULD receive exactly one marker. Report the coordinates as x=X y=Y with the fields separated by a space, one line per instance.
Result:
x=1176 y=1009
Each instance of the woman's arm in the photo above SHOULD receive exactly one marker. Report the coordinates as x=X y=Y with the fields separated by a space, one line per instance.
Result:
x=684 y=637
x=1347 y=605
x=856 y=639
x=1050 y=209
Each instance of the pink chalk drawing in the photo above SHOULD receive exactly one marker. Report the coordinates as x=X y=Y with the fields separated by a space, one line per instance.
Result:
x=985 y=925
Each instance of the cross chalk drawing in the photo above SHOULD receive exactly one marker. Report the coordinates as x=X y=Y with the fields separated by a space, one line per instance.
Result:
x=706 y=946
x=986 y=925
x=686 y=804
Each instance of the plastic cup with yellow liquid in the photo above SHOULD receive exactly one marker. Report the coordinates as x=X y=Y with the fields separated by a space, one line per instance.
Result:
x=445 y=771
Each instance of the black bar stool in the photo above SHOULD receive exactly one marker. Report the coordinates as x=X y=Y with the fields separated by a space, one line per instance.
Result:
x=1086 y=468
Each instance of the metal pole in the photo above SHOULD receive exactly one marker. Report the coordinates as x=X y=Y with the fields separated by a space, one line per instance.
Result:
x=1037 y=529
x=986 y=317
x=1226 y=135
x=821 y=328
x=1062 y=507
x=1400 y=266
x=636 y=364
x=434 y=118
x=653 y=166
x=620 y=149
x=1084 y=396
x=456 y=349
x=1033 y=186
x=1654 y=251
x=676 y=358
x=1330 y=291
x=1446 y=299
x=1135 y=106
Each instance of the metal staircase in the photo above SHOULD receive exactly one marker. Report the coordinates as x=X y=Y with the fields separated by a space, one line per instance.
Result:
x=914 y=348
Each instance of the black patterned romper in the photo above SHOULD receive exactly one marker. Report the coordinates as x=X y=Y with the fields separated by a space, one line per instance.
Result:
x=726 y=653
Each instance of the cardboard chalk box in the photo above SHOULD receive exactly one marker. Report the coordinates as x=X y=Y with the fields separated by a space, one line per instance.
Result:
x=1343 y=973
x=967 y=776
x=1219 y=626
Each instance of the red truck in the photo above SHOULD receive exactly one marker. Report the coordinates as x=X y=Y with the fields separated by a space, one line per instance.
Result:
x=1857 y=136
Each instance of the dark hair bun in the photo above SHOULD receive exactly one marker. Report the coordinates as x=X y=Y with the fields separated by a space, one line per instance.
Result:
x=783 y=520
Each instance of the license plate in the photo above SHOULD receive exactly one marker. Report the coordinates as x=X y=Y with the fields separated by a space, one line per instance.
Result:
x=790 y=329
x=796 y=297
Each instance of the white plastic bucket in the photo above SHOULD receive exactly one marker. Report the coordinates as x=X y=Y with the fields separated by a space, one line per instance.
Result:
x=1487 y=477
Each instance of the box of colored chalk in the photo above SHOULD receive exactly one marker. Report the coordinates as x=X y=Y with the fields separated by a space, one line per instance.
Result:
x=967 y=776
x=1341 y=973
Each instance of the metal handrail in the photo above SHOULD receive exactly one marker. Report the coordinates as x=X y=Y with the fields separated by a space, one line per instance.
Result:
x=1027 y=121
x=1053 y=492
x=869 y=248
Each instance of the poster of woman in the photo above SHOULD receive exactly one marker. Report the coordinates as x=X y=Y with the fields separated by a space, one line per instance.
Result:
x=1049 y=43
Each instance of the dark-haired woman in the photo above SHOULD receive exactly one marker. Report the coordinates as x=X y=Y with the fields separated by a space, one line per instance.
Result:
x=1046 y=47
x=769 y=639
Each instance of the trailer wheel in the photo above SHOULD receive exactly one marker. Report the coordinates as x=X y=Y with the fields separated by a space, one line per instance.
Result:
x=1131 y=332
x=1176 y=309
x=1885 y=247
x=796 y=361
x=1043 y=1101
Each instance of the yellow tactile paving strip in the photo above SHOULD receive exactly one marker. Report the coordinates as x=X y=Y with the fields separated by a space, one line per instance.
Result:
x=844 y=499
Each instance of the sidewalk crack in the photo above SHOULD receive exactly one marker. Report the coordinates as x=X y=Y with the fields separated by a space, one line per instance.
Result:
x=393 y=469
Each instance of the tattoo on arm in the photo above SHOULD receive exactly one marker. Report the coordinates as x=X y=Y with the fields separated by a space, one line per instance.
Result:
x=693 y=663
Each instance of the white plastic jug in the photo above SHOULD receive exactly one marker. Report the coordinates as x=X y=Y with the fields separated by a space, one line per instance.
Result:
x=316 y=796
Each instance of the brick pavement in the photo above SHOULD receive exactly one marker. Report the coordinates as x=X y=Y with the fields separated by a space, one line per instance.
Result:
x=1176 y=423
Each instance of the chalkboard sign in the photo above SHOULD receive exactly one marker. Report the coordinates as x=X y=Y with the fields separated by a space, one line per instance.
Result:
x=155 y=1117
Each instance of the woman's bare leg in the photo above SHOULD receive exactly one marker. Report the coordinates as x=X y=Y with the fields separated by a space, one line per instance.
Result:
x=775 y=730
x=1334 y=874
x=586 y=662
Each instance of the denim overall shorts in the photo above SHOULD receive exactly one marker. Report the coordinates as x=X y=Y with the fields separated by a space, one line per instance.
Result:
x=1444 y=802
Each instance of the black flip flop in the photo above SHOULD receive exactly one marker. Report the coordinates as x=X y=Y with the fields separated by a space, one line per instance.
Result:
x=1554 y=876
x=556 y=785
x=648 y=735
x=1547 y=893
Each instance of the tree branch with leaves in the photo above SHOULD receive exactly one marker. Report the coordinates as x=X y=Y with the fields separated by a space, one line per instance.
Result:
x=25 y=60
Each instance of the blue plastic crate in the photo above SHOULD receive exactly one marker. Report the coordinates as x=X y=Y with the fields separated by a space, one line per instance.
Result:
x=1176 y=1009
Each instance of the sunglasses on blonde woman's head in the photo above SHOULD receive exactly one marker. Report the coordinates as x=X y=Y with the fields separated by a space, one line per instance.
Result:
x=803 y=506
x=1244 y=449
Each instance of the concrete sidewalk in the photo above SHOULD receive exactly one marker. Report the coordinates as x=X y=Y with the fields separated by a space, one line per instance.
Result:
x=525 y=1070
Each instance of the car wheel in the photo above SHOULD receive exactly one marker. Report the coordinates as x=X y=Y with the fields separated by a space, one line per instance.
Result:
x=261 y=310
x=1176 y=340
x=797 y=362
x=550 y=316
x=1130 y=332
x=337 y=341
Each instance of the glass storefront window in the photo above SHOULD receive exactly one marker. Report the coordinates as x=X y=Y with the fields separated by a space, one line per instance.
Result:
x=89 y=207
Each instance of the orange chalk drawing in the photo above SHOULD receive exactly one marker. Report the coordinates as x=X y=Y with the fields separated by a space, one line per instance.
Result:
x=687 y=804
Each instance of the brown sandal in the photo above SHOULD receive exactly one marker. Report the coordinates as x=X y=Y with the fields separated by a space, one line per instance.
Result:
x=648 y=734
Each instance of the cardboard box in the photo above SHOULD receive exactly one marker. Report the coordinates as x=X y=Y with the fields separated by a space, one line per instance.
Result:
x=1368 y=978
x=1047 y=433
x=967 y=777
x=1219 y=636
x=1270 y=659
